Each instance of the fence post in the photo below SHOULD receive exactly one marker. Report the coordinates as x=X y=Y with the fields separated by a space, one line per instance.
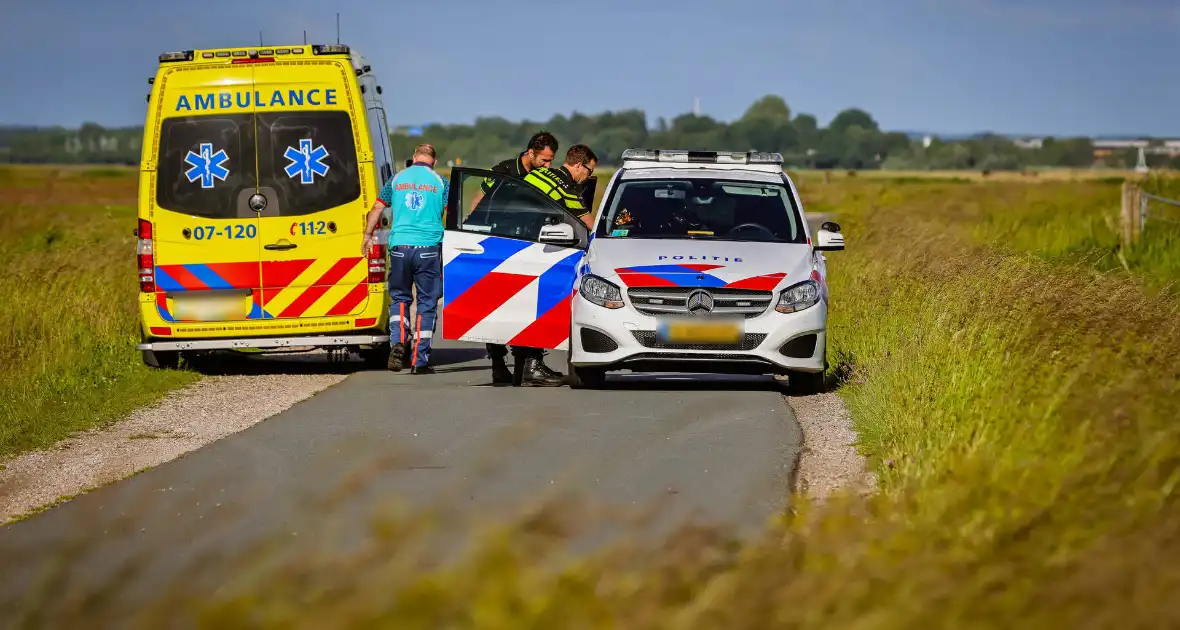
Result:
x=1141 y=220
x=1127 y=214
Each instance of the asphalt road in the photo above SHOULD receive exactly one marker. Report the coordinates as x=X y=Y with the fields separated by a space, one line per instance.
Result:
x=711 y=449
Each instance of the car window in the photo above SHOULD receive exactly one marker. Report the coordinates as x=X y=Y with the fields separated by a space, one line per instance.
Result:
x=702 y=208
x=309 y=159
x=203 y=163
x=513 y=208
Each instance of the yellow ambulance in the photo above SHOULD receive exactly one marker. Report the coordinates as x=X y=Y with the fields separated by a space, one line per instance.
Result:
x=259 y=165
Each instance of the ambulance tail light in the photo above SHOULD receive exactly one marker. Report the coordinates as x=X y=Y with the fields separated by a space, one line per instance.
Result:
x=254 y=60
x=145 y=257
x=377 y=264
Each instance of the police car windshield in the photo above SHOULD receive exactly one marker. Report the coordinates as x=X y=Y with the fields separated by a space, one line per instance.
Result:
x=701 y=208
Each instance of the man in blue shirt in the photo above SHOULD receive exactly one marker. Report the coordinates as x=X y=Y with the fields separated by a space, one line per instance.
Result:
x=417 y=198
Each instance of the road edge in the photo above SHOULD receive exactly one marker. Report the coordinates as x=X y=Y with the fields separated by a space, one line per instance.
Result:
x=177 y=424
x=828 y=461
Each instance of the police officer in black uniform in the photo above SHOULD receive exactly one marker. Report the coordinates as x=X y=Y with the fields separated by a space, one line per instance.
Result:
x=539 y=153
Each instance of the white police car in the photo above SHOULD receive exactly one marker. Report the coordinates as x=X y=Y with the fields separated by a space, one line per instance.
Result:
x=697 y=262
x=702 y=262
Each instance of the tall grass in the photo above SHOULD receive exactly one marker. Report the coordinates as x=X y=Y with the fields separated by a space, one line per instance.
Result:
x=1018 y=402
x=68 y=302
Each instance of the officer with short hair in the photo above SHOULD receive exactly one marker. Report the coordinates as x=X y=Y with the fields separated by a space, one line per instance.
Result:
x=417 y=198
x=564 y=183
x=538 y=153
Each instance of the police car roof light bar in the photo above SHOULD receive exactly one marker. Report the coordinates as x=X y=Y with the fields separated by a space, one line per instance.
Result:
x=185 y=55
x=702 y=157
x=330 y=49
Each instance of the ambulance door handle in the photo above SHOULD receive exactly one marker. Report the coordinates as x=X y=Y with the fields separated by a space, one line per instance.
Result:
x=280 y=246
x=472 y=250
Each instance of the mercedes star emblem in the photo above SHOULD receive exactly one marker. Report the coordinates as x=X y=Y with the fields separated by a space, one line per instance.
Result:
x=257 y=202
x=700 y=302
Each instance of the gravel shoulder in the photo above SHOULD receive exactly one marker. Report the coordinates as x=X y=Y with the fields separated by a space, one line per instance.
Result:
x=185 y=420
x=828 y=460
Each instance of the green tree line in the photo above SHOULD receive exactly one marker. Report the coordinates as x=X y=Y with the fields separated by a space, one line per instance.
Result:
x=851 y=140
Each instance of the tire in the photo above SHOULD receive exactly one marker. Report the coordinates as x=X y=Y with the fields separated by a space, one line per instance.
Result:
x=169 y=360
x=807 y=383
x=376 y=358
x=585 y=377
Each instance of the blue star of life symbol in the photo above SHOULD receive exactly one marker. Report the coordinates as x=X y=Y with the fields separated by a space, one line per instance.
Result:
x=415 y=200
x=206 y=165
x=306 y=162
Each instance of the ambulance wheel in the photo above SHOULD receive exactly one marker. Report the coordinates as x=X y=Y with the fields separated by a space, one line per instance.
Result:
x=585 y=377
x=375 y=358
x=164 y=360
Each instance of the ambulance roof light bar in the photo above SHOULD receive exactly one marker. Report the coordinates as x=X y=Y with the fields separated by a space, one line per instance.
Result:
x=702 y=157
x=184 y=55
x=330 y=49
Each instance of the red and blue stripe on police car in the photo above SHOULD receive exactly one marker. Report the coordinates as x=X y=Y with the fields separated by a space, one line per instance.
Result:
x=497 y=289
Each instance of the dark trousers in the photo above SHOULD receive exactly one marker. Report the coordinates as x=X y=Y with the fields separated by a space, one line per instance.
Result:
x=497 y=351
x=414 y=268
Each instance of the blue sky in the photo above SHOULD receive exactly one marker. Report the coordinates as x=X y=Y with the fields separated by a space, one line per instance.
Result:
x=1062 y=67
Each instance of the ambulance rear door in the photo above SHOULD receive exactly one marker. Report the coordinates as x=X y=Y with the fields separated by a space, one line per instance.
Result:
x=310 y=164
x=206 y=235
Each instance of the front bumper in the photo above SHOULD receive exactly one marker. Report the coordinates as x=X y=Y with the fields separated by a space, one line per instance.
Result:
x=774 y=343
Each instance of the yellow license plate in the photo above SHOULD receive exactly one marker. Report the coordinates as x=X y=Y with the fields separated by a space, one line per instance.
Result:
x=700 y=332
x=196 y=307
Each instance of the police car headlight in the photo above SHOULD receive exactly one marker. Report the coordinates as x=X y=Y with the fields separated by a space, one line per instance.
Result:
x=600 y=292
x=798 y=297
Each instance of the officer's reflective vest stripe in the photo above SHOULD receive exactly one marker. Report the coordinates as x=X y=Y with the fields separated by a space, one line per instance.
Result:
x=549 y=184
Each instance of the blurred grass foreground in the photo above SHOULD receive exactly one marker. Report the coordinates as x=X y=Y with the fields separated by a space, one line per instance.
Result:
x=1014 y=385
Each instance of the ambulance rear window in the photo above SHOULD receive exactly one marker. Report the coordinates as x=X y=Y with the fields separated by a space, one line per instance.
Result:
x=309 y=158
x=204 y=162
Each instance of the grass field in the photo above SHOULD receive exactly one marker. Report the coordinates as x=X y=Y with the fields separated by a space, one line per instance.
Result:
x=1014 y=385
x=68 y=303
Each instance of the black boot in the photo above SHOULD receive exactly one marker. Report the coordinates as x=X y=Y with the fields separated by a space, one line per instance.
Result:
x=501 y=375
x=537 y=375
x=396 y=356
x=544 y=369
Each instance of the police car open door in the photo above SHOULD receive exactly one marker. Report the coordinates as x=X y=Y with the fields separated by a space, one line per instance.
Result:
x=510 y=256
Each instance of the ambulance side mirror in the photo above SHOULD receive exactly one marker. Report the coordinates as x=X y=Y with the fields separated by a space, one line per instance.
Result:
x=561 y=234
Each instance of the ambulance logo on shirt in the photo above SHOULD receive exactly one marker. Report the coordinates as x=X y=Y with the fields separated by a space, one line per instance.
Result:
x=206 y=165
x=306 y=162
x=415 y=200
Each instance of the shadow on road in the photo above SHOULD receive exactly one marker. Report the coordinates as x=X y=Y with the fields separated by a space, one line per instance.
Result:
x=693 y=382
x=230 y=363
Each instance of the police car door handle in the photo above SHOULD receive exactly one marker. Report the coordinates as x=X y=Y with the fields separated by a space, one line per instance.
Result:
x=280 y=246
x=473 y=250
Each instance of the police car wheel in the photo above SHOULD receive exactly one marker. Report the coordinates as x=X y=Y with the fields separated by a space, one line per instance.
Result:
x=161 y=360
x=585 y=377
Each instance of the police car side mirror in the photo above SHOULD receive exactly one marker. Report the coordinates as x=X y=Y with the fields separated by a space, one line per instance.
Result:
x=829 y=240
x=561 y=234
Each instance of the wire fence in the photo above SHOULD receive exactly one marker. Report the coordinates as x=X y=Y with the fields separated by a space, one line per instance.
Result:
x=1155 y=208
x=1143 y=212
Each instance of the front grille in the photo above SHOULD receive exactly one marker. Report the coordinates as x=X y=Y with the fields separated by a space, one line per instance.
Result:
x=672 y=300
x=649 y=340
x=596 y=342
